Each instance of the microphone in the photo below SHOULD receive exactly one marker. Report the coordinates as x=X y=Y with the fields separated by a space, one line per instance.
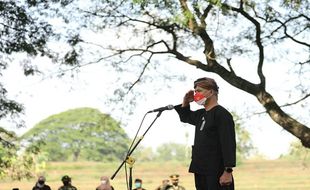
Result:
x=169 y=107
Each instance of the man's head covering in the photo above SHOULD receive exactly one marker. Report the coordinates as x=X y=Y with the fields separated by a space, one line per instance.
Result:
x=65 y=178
x=106 y=178
x=206 y=83
x=138 y=180
x=41 y=178
x=174 y=176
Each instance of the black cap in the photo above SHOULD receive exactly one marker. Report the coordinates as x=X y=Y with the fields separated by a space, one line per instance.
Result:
x=65 y=178
x=138 y=180
x=174 y=176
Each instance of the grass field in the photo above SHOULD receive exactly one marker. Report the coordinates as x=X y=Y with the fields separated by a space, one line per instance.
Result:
x=251 y=175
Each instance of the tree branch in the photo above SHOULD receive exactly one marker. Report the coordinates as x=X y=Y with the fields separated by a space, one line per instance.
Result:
x=283 y=25
x=258 y=41
x=230 y=67
x=297 y=101
x=286 y=33
x=141 y=74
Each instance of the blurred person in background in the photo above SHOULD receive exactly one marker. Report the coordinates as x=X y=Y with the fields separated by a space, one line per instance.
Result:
x=138 y=184
x=67 y=183
x=105 y=184
x=175 y=183
x=164 y=184
x=40 y=184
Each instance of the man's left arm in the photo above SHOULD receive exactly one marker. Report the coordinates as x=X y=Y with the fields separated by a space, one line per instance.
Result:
x=226 y=130
x=227 y=137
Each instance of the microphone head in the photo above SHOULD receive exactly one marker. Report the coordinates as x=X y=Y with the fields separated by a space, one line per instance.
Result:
x=170 y=107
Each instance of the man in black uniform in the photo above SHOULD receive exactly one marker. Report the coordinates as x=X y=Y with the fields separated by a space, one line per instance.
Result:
x=66 y=180
x=214 y=149
x=40 y=185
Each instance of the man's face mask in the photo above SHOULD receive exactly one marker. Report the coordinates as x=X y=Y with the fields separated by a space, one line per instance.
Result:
x=66 y=183
x=199 y=98
x=41 y=182
x=175 y=182
x=138 y=184
x=103 y=182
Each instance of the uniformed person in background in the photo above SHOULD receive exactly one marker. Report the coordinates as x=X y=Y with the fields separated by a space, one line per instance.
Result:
x=66 y=180
x=175 y=183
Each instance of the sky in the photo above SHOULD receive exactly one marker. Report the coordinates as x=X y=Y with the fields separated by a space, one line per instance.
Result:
x=43 y=97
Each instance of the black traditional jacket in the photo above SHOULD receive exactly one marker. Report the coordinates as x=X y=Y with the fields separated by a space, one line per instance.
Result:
x=215 y=143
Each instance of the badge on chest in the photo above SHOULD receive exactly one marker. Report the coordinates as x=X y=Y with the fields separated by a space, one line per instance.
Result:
x=203 y=122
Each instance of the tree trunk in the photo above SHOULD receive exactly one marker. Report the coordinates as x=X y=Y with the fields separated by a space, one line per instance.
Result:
x=76 y=155
x=284 y=120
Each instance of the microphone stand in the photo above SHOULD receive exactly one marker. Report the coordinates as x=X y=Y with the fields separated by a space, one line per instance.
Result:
x=129 y=159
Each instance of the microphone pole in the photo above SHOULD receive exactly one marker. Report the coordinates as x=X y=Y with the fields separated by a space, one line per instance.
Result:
x=135 y=146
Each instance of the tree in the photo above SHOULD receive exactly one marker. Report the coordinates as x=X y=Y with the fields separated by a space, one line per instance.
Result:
x=15 y=163
x=25 y=34
x=25 y=31
x=169 y=29
x=171 y=151
x=144 y=154
x=298 y=152
x=82 y=133
x=223 y=33
x=245 y=147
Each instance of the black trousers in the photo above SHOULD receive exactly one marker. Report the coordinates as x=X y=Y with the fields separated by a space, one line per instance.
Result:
x=207 y=182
